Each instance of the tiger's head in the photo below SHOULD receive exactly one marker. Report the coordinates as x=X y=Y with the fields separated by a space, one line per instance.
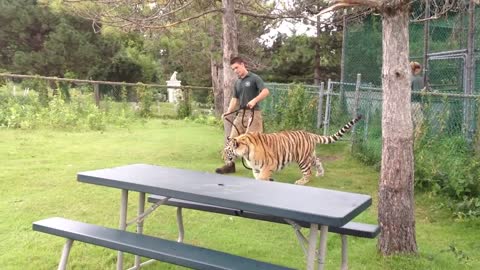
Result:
x=235 y=147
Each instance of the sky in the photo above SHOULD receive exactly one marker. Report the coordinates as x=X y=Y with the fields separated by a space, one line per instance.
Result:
x=289 y=28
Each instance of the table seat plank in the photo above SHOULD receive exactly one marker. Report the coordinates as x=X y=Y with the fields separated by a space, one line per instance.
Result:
x=148 y=246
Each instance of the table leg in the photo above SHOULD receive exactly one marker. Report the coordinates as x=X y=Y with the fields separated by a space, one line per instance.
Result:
x=312 y=246
x=123 y=223
x=141 y=209
x=66 y=251
x=181 y=231
x=323 y=247
x=344 y=253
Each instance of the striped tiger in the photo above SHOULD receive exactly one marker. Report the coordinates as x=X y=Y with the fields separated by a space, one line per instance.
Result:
x=266 y=153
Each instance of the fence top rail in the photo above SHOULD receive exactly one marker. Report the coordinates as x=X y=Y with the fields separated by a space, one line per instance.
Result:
x=9 y=75
x=291 y=84
x=425 y=93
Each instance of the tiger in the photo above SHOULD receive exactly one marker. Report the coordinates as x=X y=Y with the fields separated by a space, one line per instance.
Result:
x=266 y=153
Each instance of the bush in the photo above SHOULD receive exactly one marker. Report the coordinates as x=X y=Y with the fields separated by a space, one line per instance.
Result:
x=184 y=106
x=447 y=166
x=292 y=112
x=209 y=120
x=445 y=162
x=146 y=102
x=81 y=113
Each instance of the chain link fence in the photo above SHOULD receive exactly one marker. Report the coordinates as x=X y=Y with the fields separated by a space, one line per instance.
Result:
x=439 y=45
x=30 y=101
x=326 y=108
x=446 y=131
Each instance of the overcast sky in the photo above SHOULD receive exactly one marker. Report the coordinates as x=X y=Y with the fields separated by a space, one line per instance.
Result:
x=287 y=28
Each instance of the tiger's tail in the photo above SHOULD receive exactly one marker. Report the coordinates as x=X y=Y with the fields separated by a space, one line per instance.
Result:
x=335 y=137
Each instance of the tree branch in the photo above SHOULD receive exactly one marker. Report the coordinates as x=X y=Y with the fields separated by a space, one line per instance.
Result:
x=186 y=19
x=272 y=16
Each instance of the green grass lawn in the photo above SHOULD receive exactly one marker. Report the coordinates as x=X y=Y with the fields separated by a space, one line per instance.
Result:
x=38 y=180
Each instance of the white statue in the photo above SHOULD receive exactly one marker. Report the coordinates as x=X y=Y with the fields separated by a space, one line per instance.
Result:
x=174 y=76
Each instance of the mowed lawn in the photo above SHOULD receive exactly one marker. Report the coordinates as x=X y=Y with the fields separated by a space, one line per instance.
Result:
x=38 y=180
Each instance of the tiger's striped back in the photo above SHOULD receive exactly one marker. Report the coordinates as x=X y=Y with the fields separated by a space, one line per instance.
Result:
x=289 y=146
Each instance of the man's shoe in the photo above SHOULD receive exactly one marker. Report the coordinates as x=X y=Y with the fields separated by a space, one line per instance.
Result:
x=227 y=168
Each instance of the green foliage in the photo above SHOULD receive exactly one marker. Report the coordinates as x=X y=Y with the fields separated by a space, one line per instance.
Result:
x=295 y=109
x=37 y=40
x=184 y=106
x=292 y=58
x=445 y=163
x=209 y=120
x=367 y=139
x=339 y=114
x=186 y=49
x=146 y=101
x=28 y=111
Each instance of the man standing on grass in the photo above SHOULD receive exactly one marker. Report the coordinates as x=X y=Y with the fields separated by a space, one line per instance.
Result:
x=248 y=91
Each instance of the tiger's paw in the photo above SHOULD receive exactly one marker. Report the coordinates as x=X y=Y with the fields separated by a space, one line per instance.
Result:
x=301 y=182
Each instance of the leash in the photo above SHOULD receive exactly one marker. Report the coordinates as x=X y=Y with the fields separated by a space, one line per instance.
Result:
x=249 y=123
x=250 y=120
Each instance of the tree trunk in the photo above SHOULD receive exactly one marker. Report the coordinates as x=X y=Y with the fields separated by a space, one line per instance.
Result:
x=217 y=84
x=230 y=48
x=216 y=68
x=317 y=72
x=396 y=201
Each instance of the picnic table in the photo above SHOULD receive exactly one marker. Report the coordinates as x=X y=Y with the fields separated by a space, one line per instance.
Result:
x=318 y=207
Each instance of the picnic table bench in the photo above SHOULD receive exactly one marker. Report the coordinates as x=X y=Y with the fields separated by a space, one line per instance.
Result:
x=320 y=210
x=146 y=246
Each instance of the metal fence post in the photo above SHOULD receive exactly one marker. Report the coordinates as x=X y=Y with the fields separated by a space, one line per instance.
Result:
x=367 y=116
x=96 y=94
x=320 y=104
x=357 y=96
x=356 y=104
x=327 y=108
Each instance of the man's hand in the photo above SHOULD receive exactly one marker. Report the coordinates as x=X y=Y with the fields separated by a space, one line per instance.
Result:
x=251 y=104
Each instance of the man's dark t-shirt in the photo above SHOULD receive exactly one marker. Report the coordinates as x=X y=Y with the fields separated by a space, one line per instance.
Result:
x=248 y=88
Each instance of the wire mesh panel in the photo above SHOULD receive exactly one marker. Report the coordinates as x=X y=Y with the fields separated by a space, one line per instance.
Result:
x=445 y=49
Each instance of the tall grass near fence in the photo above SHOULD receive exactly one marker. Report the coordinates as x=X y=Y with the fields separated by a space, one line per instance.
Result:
x=446 y=163
x=29 y=102
x=291 y=107
x=49 y=108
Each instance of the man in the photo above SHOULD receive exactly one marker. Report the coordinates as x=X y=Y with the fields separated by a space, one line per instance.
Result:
x=248 y=91
x=416 y=80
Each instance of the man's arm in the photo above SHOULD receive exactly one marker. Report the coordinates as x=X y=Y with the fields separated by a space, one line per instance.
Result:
x=231 y=107
x=261 y=96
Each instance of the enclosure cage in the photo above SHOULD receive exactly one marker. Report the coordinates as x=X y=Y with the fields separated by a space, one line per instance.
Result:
x=440 y=46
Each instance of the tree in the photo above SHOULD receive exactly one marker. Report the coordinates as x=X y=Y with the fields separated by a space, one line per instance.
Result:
x=230 y=48
x=396 y=201
x=293 y=58
x=160 y=16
